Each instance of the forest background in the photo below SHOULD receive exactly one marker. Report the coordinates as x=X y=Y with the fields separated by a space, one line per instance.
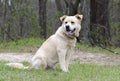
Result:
x=40 y=18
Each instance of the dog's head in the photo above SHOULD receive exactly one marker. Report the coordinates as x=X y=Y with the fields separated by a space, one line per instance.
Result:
x=71 y=25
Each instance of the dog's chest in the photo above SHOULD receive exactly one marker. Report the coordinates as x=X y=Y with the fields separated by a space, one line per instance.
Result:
x=70 y=44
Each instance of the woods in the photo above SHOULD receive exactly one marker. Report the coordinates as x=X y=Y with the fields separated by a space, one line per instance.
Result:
x=99 y=27
x=40 y=18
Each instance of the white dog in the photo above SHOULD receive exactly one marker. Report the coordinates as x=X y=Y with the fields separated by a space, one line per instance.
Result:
x=57 y=48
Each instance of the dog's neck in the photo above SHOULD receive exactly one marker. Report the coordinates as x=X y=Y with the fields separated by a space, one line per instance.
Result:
x=69 y=37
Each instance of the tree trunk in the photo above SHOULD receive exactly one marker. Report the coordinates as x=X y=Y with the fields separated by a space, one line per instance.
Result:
x=72 y=6
x=100 y=31
x=59 y=6
x=85 y=9
x=42 y=18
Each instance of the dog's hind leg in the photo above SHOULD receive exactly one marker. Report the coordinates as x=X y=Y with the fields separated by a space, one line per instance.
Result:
x=36 y=63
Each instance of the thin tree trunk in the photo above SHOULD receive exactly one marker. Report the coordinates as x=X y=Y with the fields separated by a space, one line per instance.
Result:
x=42 y=18
x=85 y=9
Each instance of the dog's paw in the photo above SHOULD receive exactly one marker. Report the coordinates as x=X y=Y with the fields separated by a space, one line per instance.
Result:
x=65 y=70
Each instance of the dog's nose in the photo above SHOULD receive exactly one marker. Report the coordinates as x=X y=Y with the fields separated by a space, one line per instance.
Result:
x=67 y=28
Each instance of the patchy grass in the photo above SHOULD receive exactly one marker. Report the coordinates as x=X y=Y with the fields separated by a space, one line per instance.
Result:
x=32 y=44
x=78 y=72
x=23 y=45
x=96 y=49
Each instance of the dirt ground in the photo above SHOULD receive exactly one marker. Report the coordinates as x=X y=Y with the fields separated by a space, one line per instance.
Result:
x=83 y=57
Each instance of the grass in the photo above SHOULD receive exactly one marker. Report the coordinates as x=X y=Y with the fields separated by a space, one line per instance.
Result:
x=97 y=49
x=32 y=44
x=78 y=72
x=22 y=45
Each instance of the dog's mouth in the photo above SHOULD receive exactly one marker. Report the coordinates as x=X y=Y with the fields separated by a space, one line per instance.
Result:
x=70 y=32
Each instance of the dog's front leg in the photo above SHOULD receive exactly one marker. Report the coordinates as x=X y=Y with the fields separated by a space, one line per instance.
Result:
x=61 y=56
x=68 y=57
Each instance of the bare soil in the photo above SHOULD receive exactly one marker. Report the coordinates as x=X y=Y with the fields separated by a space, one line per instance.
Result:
x=83 y=57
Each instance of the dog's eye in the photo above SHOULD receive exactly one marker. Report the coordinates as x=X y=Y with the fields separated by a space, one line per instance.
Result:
x=66 y=22
x=72 y=22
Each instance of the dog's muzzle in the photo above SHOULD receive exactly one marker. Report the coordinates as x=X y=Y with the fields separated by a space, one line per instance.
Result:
x=68 y=30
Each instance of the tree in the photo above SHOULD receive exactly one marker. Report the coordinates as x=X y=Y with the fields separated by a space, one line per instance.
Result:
x=59 y=6
x=99 y=28
x=72 y=6
x=42 y=18
x=85 y=10
x=5 y=27
x=18 y=19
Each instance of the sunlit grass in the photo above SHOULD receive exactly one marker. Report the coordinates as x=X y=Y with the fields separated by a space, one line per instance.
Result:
x=78 y=72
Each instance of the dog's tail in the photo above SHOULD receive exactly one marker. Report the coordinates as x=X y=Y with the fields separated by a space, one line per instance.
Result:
x=17 y=65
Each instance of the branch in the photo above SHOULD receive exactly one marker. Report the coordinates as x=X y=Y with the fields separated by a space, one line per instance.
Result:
x=76 y=4
x=69 y=3
x=58 y=5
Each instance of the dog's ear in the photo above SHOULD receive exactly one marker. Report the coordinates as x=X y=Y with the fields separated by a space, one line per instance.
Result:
x=76 y=33
x=79 y=17
x=63 y=18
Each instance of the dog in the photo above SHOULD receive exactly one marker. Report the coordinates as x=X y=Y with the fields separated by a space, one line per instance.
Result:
x=58 y=47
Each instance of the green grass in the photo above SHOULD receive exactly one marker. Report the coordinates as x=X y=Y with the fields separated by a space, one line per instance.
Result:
x=22 y=45
x=29 y=44
x=78 y=72
x=97 y=49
